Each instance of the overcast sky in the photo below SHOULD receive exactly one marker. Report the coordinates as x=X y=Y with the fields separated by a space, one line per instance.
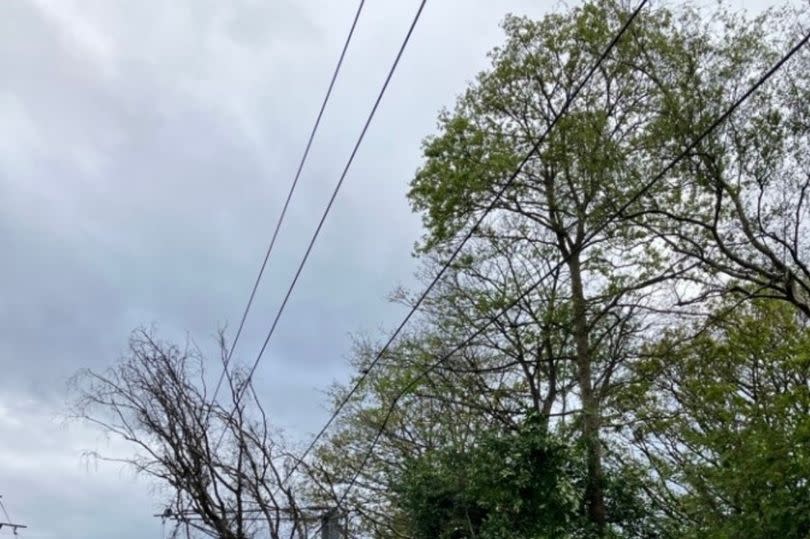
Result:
x=145 y=151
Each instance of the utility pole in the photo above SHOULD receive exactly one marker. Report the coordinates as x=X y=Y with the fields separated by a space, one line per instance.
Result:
x=8 y=523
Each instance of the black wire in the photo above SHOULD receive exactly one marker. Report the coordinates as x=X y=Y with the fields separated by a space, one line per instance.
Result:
x=719 y=120
x=287 y=201
x=331 y=201
x=470 y=232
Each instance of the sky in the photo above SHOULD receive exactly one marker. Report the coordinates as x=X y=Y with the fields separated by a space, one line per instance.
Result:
x=145 y=152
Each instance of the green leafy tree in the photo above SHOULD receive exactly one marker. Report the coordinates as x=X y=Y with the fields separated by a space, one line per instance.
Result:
x=727 y=427
x=560 y=207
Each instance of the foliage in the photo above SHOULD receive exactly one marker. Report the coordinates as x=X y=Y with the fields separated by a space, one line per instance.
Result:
x=521 y=484
x=732 y=437
x=525 y=483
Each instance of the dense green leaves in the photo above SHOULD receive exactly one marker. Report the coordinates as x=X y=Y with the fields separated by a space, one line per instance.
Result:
x=524 y=484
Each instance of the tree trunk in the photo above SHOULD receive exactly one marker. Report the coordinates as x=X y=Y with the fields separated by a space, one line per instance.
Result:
x=594 y=490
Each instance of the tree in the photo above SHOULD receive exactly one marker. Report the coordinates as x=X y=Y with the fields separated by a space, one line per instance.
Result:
x=727 y=422
x=560 y=207
x=221 y=463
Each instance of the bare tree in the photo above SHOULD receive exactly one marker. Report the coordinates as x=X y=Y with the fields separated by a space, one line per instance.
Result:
x=221 y=462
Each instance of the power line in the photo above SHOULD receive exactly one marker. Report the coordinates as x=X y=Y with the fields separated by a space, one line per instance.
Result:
x=330 y=203
x=563 y=110
x=645 y=188
x=289 y=197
